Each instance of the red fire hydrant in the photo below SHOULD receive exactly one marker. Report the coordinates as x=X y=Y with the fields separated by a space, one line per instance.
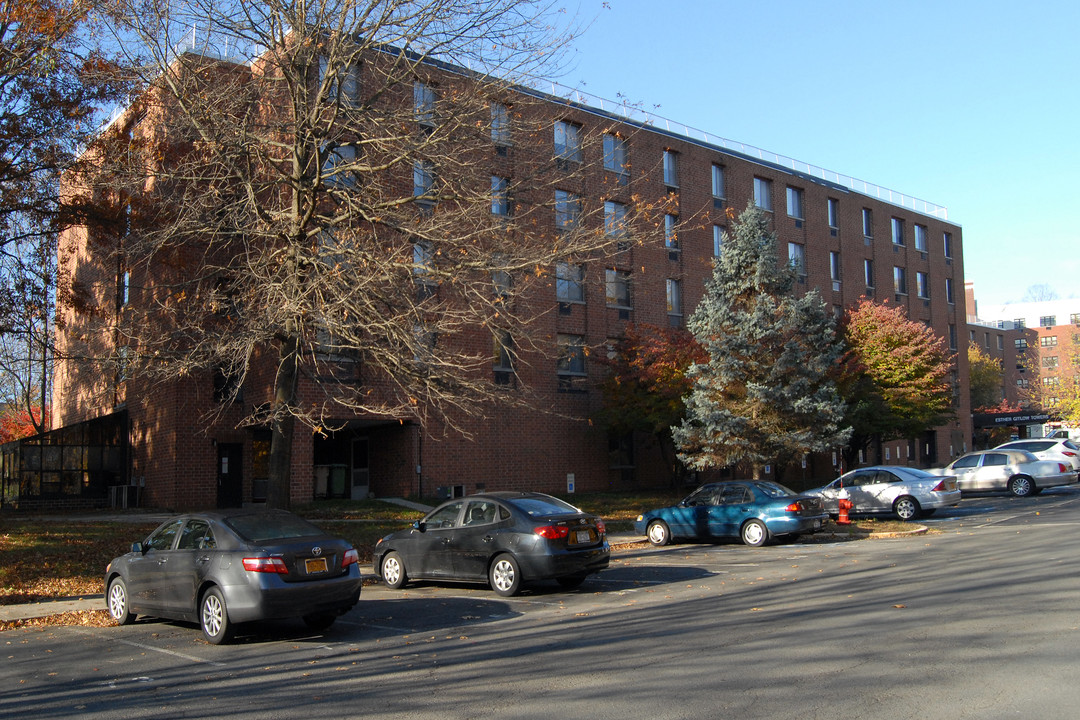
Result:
x=844 y=505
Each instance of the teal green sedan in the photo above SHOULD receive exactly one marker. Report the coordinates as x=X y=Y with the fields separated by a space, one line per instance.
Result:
x=755 y=511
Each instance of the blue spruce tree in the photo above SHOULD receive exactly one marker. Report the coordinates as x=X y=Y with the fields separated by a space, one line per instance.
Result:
x=764 y=396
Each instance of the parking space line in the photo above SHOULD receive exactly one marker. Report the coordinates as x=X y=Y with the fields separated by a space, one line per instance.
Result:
x=183 y=656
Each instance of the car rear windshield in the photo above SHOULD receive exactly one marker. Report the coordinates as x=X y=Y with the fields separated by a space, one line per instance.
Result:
x=271 y=526
x=1069 y=444
x=774 y=490
x=534 y=506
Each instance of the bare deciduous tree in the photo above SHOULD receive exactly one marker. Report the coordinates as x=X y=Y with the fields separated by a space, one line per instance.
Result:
x=349 y=200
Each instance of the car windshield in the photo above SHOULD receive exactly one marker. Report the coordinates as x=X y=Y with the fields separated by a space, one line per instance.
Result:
x=774 y=490
x=534 y=506
x=271 y=526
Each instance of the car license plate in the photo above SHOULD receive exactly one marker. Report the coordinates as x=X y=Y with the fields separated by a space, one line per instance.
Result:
x=315 y=565
x=581 y=537
x=817 y=524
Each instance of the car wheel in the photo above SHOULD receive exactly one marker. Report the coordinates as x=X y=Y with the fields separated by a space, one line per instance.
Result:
x=1021 y=486
x=570 y=581
x=505 y=575
x=906 y=508
x=754 y=533
x=214 y=617
x=658 y=533
x=319 y=621
x=118 y=602
x=393 y=571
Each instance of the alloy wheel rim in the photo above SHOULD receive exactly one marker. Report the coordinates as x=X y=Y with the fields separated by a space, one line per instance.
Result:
x=116 y=601
x=212 y=615
x=754 y=533
x=391 y=571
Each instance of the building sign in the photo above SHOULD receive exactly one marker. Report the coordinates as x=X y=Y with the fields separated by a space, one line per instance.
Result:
x=981 y=420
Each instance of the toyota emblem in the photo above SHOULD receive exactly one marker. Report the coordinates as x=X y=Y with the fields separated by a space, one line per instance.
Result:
x=316 y=551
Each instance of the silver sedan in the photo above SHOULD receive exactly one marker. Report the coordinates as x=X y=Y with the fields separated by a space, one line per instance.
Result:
x=1017 y=471
x=906 y=492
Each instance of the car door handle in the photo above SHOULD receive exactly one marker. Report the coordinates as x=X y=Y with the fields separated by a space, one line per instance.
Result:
x=203 y=559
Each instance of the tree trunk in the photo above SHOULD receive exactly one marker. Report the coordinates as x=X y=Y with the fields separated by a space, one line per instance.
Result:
x=279 y=483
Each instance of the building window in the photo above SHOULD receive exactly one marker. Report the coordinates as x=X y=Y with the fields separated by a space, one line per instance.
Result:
x=500 y=124
x=868 y=273
x=834 y=213
x=949 y=297
x=922 y=285
x=671 y=168
x=986 y=340
x=897 y=231
x=1020 y=323
x=568 y=141
x=1050 y=362
x=952 y=336
x=1074 y=319
x=717 y=240
x=1048 y=341
x=567 y=210
x=1048 y=320
x=423 y=268
x=569 y=282
x=1001 y=342
x=615 y=155
x=123 y=290
x=947 y=243
x=921 y=243
x=671 y=235
x=718 y=182
x=1020 y=343
x=797 y=258
x=867 y=223
x=500 y=197
x=899 y=276
x=423 y=181
x=763 y=193
x=424 y=103
x=615 y=219
x=1021 y=382
x=346 y=84
x=971 y=335
x=503 y=352
x=834 y=266
x=571 y=355
x=618 y=288
x=674 y=302
x=794 y=203
x=1051 y=381
x=500 y=278
x=339 y=165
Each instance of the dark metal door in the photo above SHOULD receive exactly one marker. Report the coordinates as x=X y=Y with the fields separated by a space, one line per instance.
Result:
x=230 y=475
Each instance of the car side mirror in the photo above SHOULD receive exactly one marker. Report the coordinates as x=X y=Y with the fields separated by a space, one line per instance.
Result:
x=419 y=526
x=137 y=548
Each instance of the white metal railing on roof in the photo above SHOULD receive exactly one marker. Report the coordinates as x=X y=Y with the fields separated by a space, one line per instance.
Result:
x=644 y=117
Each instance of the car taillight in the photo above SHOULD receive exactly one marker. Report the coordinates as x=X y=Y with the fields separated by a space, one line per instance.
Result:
x=940 y=487
x=1062 y=467
x=552 y=532
x=1070 y=453
x=600 y=526
x=351 y=557
x=794 y=507
x=266 y=565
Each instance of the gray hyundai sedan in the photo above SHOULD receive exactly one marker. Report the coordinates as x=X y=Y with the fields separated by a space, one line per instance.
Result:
x=223 y=568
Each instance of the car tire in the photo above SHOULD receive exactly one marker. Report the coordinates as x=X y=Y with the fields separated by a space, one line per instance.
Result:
x=658 y=533
x=1021 y=486
x=504 y=575
x=569 y=582
x=117 y=599
x=214 y=617
x=393 y=571
x=906 y=508
x=754 y=533
x=319 y=621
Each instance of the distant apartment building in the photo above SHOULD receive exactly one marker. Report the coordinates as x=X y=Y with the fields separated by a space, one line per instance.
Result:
x=848 y=239
x=1046 y=338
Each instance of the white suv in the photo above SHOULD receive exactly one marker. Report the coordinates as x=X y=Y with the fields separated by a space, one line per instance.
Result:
x=1057 y=449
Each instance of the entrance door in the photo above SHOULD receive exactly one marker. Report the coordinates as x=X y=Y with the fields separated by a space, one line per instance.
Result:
x=359 y=469
x=230 y=475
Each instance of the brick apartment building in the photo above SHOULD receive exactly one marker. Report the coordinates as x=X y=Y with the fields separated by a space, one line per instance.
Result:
x=1041 y=341
x=849 y=240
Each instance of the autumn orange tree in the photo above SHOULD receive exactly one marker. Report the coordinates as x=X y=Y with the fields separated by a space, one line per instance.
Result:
x=893 y=376
x=647 y=385
x=55 y=83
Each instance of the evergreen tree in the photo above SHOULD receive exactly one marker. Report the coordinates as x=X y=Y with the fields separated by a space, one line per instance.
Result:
x=764 y=394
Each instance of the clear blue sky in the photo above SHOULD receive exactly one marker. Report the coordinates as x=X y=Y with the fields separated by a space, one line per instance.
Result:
x=970 y=105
